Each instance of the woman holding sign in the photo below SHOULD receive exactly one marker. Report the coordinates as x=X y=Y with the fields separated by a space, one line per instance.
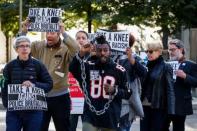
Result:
x=26 y=82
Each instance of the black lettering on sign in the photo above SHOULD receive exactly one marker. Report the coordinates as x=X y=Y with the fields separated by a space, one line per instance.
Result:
x=34 y=11
x=119 y=45
x=121 y=37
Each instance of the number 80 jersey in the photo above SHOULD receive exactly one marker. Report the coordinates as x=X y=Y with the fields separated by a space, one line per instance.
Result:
x=97 y=75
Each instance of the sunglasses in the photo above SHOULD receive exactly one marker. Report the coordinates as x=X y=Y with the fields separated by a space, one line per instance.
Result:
x=149 y=51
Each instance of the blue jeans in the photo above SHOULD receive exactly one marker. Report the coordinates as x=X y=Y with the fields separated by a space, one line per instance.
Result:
x=26 y=120
x=59 y=110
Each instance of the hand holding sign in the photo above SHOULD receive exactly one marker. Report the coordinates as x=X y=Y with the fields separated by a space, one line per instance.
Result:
x=25 y=25
x=62 y=28
x=181 y=74
x=130 y=56
x=27 y=84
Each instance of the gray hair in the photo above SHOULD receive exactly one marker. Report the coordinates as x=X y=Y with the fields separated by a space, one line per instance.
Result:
x=178 y=43
x=21 y=39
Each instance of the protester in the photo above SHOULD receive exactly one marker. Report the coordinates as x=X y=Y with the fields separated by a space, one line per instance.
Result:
x=82 y=39
x=29 y=72
x=135 y=70
x=104 y=86
x=157 y=90
x=56 y=55
x=186 y=78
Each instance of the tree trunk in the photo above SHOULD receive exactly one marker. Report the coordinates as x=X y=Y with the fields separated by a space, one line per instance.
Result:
x=89 y=26
x=7 y=48
x=165 y=37
x=89 y=12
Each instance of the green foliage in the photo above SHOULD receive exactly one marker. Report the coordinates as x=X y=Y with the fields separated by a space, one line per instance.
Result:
x=89 y=11
x=9 y=16
x=169 y=14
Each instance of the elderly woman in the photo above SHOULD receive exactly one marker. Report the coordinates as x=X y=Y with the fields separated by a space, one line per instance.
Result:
x=157 y=90
x=28 y=72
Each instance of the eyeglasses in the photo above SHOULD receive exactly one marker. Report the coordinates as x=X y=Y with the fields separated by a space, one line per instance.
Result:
x=149 y=51
x=102 y=49
x=23 y=46
x=172 y=49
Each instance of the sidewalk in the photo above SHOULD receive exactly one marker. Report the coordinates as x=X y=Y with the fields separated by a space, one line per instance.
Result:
x=191 y=121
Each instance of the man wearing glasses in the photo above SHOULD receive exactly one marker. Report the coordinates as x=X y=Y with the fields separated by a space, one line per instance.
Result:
x=186 y=78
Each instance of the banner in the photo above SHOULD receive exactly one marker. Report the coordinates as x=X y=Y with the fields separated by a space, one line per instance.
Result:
x=26 y=98
x=118 y=41
x=44 y=19
x=77 y=96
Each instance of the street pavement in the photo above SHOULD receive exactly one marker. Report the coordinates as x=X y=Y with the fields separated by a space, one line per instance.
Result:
x=191 y=121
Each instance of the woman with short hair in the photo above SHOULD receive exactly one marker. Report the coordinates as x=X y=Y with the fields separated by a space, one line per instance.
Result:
x=157 y=90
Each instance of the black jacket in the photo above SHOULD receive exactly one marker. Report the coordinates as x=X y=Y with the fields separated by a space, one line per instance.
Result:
x=183 y=88
x=18 y=71
x=158 y=86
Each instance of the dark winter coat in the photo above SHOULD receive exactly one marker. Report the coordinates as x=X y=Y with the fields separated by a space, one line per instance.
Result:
x=18 y=71
x=158 y=86
x=183 y=88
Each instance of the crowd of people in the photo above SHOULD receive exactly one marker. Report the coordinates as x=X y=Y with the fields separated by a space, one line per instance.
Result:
x=106 y=83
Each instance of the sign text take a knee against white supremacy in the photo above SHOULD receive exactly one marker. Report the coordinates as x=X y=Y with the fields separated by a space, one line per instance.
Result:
x=26 y=98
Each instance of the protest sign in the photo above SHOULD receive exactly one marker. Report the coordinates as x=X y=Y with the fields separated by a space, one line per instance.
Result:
x=77 y=96
x=175 y=67
x=26 y=98
x=118 y=41
x=44 y=19
x=91 y=36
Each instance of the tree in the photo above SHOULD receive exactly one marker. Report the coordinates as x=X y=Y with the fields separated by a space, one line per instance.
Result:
x=170 y=15
x=89 y=11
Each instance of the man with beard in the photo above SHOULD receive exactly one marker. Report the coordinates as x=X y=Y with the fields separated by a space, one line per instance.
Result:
x=186 y=78
x=104 y=86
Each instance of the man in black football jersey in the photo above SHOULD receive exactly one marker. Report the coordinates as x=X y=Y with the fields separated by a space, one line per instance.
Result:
x=104 y=86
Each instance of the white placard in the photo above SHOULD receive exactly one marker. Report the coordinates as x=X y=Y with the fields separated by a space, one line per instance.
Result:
x=44 y=19
x=175 y=66
x=118 y=41
x=26 y=98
